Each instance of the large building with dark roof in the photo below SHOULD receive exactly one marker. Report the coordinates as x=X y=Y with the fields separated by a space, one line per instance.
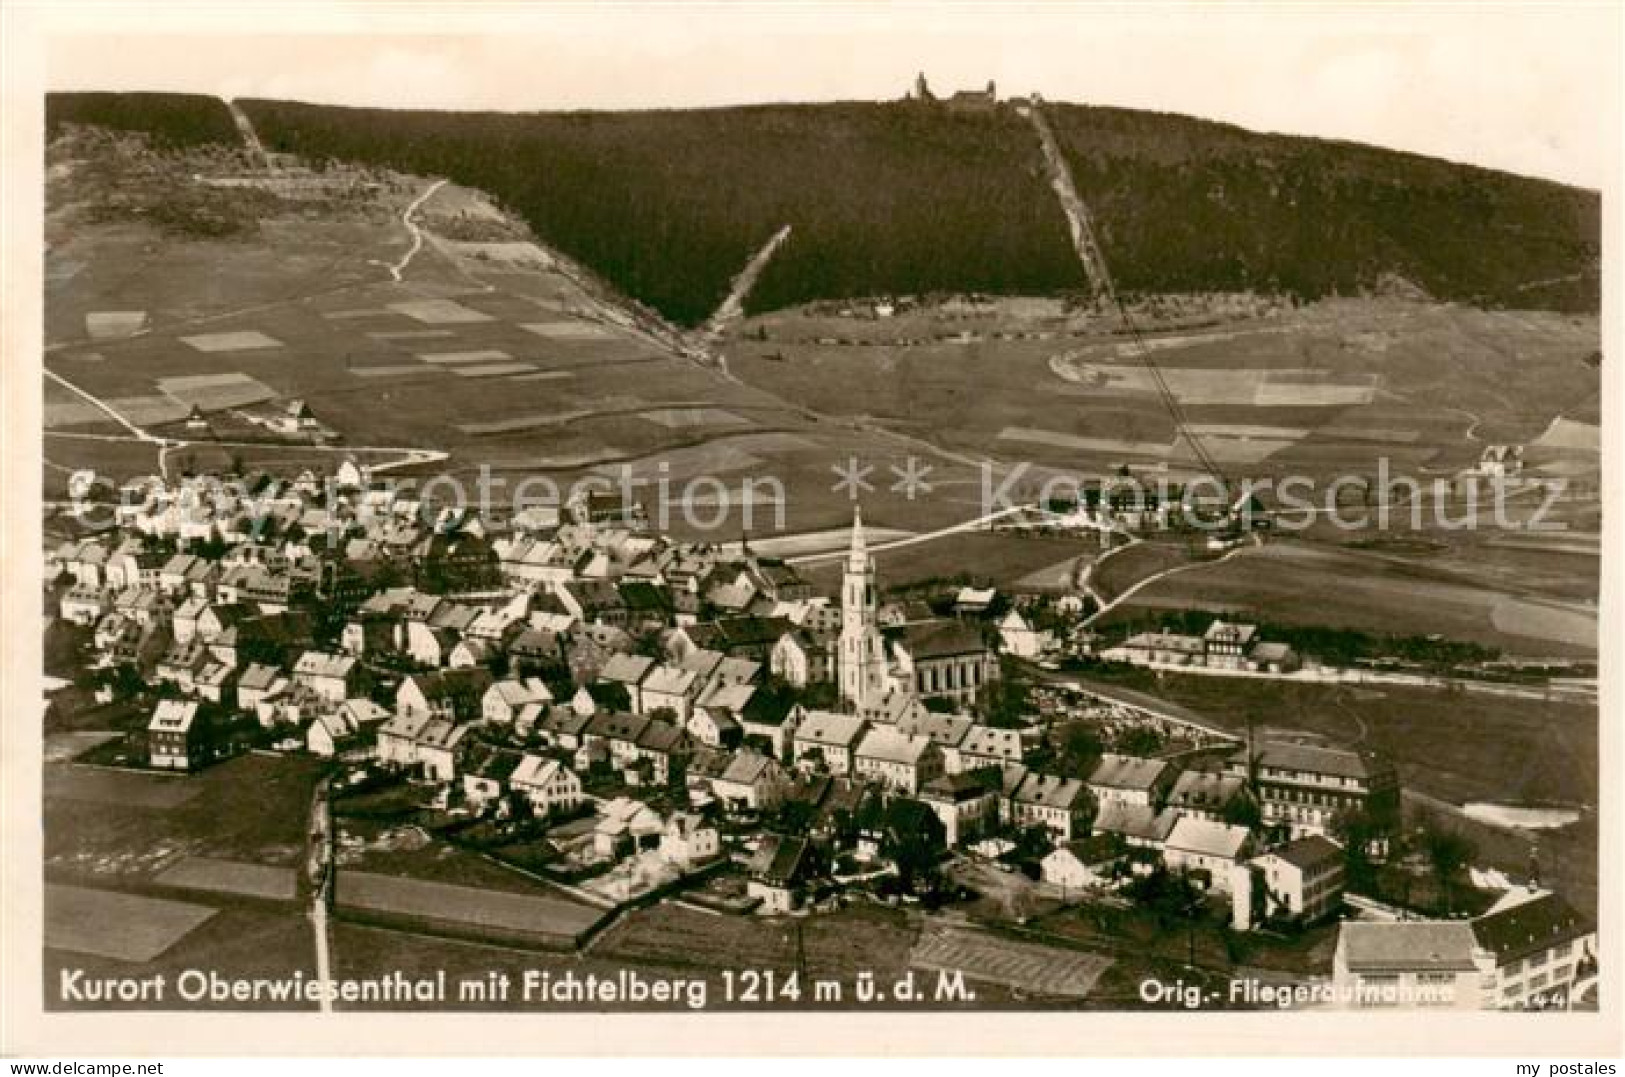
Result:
x=1305 y=788
x=1539 y=946
x=945 y=659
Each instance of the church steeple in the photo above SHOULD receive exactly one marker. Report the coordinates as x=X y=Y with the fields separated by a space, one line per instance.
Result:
x=862 y=662
x=857 y=558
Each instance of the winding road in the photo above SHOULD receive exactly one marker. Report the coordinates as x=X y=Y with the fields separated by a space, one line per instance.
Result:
x=398 y=268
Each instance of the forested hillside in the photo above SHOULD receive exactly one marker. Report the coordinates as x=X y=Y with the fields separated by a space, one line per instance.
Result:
x=1185 y=204
x=670 y=205
x=169 y=120
x=910 y=198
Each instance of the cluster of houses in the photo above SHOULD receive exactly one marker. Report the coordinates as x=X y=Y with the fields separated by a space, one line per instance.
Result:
x=1225 y=645
x=1149 y=813
x=572 y=659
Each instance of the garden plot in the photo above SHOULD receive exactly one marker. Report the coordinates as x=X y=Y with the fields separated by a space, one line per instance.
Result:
x=149 y=410
x=813 y=542
x=1055 y=440
x=714 y=458
x=120 y=926
x=65 y=747
x=241 y=340
x=1384 y=434
x=1568 y=434
x=572 y=330
x=689 y=418
x=1194 y=386
x=62 y=270
x=1576 y=627
x=439 y=312
x=1042 y=970
x=413 y=334
x=362 y=312
x=1231 y=450
x=543 y=375
x=388 y=370
x=72 y=411
x=492 y=370
x=519 y=423
x=111 y=324
x=466 y=910
x=213 y=392
x=1306 y=394
x=1246 y=431
x=511 y=253
x=483 y=355
x=231 y=877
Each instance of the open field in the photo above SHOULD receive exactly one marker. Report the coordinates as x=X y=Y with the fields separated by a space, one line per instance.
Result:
x=1283 y=581
x=231 y=877
x=107 y=825
x=1120 y=569
x=119 y=788
x=1324 y=389
x=391 y=899
x=237 y=941
x=120 y=926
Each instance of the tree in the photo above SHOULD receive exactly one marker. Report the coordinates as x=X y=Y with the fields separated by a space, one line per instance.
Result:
x=1242 y=810
x=913 y=838
x=1448 y=853
x=1081 y=748
x=1004 y=704
x=124 y=679
x=1141 y=741
x=610 y=695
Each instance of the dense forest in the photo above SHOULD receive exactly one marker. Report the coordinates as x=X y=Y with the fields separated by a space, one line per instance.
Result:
x=671 y=205
x=905 y=198
x=169 y=120
x=1190 y=205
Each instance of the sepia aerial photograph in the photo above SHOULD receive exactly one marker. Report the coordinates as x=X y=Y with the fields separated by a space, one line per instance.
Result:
x=901 y=510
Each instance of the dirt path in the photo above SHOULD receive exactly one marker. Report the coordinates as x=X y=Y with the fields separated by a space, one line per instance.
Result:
x=251 y=137
x=399 y=267
x=1147 y=581
x=733 y=307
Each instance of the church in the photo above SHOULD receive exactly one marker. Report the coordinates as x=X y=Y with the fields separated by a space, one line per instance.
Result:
x=940 y=658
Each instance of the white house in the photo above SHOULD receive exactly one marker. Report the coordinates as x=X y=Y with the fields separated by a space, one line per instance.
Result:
x=1018 y=637
x=1204 y=848
x=504 y=700
x=1301 y=881
x=900 y=761
x=548 y=784
x=1082 y=864
x=830 y=739
x=750 y=780
x=689 y=840
x=331 y=676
